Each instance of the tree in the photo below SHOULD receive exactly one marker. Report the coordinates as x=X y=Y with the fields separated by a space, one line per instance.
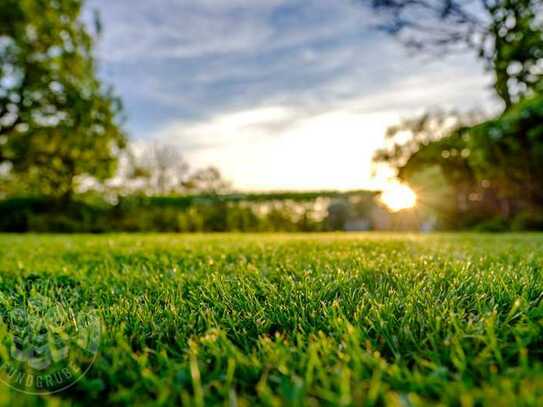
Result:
x=208 y=181
x=493 y=168
x=506 y=34
x=430 y=153
x=507 y=152
x=57 y=122
x=410 y=135
x=159 y=169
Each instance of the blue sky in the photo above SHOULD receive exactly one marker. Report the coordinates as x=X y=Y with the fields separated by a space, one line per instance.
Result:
x=278 y=94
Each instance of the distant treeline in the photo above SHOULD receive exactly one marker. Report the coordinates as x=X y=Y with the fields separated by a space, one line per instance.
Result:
x=303 y=212
x=318 y=211
x=191 y=213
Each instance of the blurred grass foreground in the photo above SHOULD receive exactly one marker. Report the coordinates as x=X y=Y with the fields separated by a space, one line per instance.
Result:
x=329 y=319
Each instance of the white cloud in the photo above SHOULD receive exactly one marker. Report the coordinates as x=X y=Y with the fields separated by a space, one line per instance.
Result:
x=279 y=148
x=276 y=93
x=225 y=129
x=330 y=145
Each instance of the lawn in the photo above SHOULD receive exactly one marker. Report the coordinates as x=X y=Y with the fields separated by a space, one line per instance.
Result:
x=336 y=319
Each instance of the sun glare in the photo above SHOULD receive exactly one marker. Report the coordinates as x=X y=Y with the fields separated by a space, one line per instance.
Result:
x=397 y=197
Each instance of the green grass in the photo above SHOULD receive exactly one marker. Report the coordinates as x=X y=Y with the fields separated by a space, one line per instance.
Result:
x=246 y=320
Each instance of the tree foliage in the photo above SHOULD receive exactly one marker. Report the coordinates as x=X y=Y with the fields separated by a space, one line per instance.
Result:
x=155 y=169
x=506 y=34
x=57 y=121
x=207 y=180
x=494 y=168
x=508 y=152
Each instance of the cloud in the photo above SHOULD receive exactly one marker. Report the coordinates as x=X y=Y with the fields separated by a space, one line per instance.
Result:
x=327 y=145
x=181 y=29
x=278 y=148
x=196 y=59
x=226 y=129
x=245 y=84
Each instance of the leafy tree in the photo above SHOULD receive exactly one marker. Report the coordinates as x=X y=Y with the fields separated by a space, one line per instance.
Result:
x=507 y=154
x=506 y=34
x=57 y=122
x=156 y=169
x=493 y=168
x=410 y=135
x=429 y=152
x=208 y=181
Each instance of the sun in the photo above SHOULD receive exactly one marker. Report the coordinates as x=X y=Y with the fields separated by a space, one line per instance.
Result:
x=398 y=196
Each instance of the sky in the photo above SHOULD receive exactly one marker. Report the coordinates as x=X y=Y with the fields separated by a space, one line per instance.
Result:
x=277 y=94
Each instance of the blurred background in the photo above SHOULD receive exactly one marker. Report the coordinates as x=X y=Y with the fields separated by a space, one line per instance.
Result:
x=276 y=115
